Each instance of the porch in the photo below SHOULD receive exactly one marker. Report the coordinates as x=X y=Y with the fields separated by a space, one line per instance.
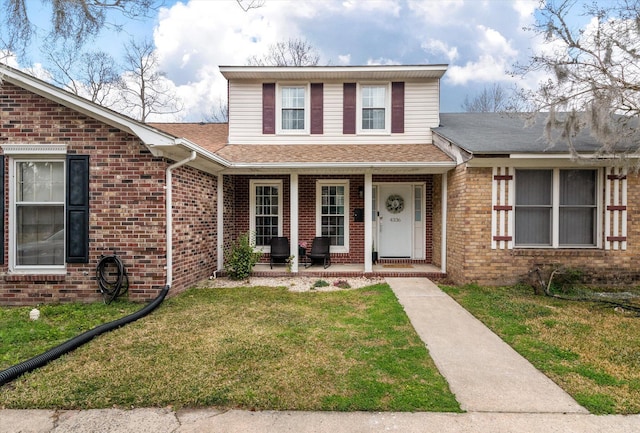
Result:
x=353 y=270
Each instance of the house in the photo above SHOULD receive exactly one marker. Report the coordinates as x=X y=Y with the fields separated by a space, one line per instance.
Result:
x=359 y=154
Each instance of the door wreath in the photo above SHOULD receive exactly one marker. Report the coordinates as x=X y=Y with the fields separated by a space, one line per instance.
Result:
x=395 y=203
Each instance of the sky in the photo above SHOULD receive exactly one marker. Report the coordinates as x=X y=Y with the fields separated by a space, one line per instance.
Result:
x=479 y=40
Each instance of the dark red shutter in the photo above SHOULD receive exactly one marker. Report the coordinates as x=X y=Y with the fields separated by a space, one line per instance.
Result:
x=77 y=227
x=397 y=107
x=349 y=108
x=317 y=108
x=269 y=108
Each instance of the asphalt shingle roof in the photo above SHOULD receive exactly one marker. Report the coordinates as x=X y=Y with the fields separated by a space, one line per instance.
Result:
x=494 y=133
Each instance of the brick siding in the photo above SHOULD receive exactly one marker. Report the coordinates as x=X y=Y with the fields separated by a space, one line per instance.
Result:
x=307 y=210
x=471 y=259
x=127 y=205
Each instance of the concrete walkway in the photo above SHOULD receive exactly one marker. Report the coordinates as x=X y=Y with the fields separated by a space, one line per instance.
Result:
x=484 y=373
x=500 y=391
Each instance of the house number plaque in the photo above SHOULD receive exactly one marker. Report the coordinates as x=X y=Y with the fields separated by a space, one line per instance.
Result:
x=394 y=220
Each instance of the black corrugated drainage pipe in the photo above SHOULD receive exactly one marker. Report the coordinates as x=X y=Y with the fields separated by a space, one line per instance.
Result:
x=17 y=370
x=36 y=362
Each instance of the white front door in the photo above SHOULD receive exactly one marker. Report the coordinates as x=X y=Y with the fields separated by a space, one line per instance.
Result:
x=395 y=220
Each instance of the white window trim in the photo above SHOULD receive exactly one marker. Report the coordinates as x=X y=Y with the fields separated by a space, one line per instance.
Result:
x=252 y=208
x=387 y=109
x=555 y=211
x=13 y=162
x=337 y=182
x=307 y=109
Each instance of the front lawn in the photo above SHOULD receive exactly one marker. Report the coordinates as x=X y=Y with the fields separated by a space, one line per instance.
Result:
x=591 y=351
x=253 y=348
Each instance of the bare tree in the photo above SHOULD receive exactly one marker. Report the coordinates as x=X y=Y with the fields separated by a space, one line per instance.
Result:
x=594 y=72
x=71 y=20
x=491 y=100
x=143 y=87
x=250 y=4
x=292 y=52
x=219 y=113
x=91 y=74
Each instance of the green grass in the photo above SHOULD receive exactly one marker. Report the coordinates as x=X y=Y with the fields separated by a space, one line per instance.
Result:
x=21 y=338
x=252 y=348
x=589 y=350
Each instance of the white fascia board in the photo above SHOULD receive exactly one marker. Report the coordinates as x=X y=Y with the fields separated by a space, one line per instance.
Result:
x=384 y=72
x=440 y=167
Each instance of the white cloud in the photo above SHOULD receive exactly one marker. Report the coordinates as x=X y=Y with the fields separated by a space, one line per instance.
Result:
x=440 y=12
x=436 y=46
x=495 y=58
x=344 y=59
x=382 y=61
x=391 y=7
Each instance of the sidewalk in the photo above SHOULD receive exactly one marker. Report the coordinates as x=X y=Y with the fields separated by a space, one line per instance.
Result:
x=484 y=373
x=499 y=389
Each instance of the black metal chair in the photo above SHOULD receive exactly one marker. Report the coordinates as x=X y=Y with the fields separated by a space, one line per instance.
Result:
x=320 y=252
x=280 y=251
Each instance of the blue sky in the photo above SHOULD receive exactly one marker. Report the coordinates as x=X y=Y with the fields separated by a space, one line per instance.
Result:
x=480 y=40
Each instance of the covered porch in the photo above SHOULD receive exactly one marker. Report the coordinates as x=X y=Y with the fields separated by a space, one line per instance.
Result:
x=300 y=192
x=346 y=270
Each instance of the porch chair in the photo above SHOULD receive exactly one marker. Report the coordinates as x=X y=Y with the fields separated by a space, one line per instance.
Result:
x=280 y=251
x=320 y=252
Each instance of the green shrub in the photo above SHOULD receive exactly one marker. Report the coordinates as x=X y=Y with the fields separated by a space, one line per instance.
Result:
x=320 y=283
x=241 y=258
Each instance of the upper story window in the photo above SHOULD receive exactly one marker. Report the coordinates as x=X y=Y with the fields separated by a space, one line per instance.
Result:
x=556 y=208
x=293 y=108
x=374 y=107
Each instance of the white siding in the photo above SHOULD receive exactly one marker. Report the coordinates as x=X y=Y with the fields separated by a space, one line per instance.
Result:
x=245 y=117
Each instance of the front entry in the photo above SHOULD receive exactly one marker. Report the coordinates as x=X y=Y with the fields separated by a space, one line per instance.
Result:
x=395 y=220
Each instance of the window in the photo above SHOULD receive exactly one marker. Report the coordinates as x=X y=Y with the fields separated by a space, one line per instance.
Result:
x=266 y=211
x=373 y=104
x=39 y=214
x=293 y=108
x=556 y=208
x=333 y=208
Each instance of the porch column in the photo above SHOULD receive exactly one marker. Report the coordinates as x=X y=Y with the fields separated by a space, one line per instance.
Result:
x=293 y=224
x=220 y=225
x=443 y=247
x=368 y=226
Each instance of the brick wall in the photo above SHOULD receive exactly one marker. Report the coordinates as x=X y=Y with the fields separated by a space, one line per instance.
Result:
x=127 y=204
x=307 y=209
x=194 y=227
x=471 y=259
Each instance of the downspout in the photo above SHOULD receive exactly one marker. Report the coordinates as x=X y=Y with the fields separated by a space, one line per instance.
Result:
x=169 y=210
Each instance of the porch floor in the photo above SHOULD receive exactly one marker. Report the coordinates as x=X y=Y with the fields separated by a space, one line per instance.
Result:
x=352 y=270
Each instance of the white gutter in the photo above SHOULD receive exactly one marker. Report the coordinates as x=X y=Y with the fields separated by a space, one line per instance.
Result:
x=169 y=210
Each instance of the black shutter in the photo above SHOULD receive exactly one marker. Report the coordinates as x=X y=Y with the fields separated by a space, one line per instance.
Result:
x=1 y=209
x=77 y=209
